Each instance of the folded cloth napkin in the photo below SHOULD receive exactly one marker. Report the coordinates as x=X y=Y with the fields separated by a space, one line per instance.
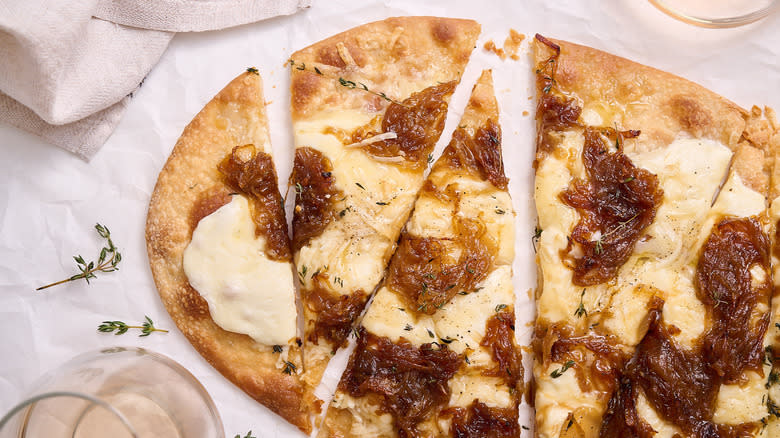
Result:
x=69 y=67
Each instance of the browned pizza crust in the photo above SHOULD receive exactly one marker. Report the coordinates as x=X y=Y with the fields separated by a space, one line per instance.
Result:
x=635 y=96
x=189 y=187
x=395 y=56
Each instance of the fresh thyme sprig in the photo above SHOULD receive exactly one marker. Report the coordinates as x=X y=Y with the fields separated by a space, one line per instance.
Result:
x=289 y=368
x=536 y=236
x=352 y=85
x=248 y=435
x=107 y=261
x=121 y=328
x=559 y=372
x=580 y=312
x=599 y=242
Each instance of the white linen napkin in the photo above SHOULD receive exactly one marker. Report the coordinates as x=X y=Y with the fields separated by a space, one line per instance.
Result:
x=67 y=68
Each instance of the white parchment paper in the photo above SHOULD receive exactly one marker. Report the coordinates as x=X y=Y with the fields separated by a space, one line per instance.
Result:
x=50 y=199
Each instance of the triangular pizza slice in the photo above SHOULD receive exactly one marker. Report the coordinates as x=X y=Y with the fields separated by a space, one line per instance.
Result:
x=220 y=253
x=653 y=249
x=368 y=106
x=436 y=354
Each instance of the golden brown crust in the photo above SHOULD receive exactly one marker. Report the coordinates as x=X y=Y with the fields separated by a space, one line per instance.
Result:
x=188 y=188
x=396 y=56
x=635 y=96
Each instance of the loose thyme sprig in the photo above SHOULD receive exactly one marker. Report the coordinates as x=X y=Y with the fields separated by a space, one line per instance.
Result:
x=352 y=85
x=121 y=328
x=107 y=261
x=248 y=435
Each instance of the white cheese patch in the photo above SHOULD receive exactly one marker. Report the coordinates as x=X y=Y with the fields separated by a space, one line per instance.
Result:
x=367 y=421
x=684 y=310
x=479 y=199
x=741 y=403
x=689 y=172
x=556 y=398
x=494 y=209
x=737 y=199
x=432 y=217
x=246 y=292
x=463 y=318
x=388 y=317
x=591 y=117
x=647 y=413
x=622 y=319
x=559 y=296
x=492 y=391
x=349 y=250
x=758 y=276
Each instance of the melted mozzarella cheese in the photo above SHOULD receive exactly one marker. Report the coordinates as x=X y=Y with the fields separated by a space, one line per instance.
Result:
x=479 y=199
x=387 y=316
x=689 y=172
x=366 y=419
x=663 y=428
x=349 y=250
x=494 y=209
x=246 y=292
x=741 y=403
x=556 y=398
x=437 y=220
x=559 y=297
x=463 y=318
x=737 y=199
x=492 y=391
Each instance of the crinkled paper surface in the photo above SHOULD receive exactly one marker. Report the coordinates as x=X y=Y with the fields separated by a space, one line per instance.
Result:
x=50 y=199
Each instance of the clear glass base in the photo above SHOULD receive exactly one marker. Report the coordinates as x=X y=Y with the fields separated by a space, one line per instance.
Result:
x=717 y=13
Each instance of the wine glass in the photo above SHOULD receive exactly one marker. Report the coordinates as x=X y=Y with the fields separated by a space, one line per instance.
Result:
x=116 y=392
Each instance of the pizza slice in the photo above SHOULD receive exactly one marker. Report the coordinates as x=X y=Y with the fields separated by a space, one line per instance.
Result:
x=220 y=254
x=653 y=253
x=436 y=354
x=368 y=106
x=769 y=132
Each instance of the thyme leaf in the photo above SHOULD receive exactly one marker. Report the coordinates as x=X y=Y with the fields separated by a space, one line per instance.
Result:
x=559 y=372
x=580 y=312
x=147 y=327
x=352 y=85
x=107 y=261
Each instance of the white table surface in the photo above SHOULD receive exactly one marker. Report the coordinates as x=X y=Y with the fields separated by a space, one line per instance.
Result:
x=50 y=199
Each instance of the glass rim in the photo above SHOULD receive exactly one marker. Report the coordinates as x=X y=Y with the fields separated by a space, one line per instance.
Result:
x=716 y=23
x=38 y=393
x=31 y=401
